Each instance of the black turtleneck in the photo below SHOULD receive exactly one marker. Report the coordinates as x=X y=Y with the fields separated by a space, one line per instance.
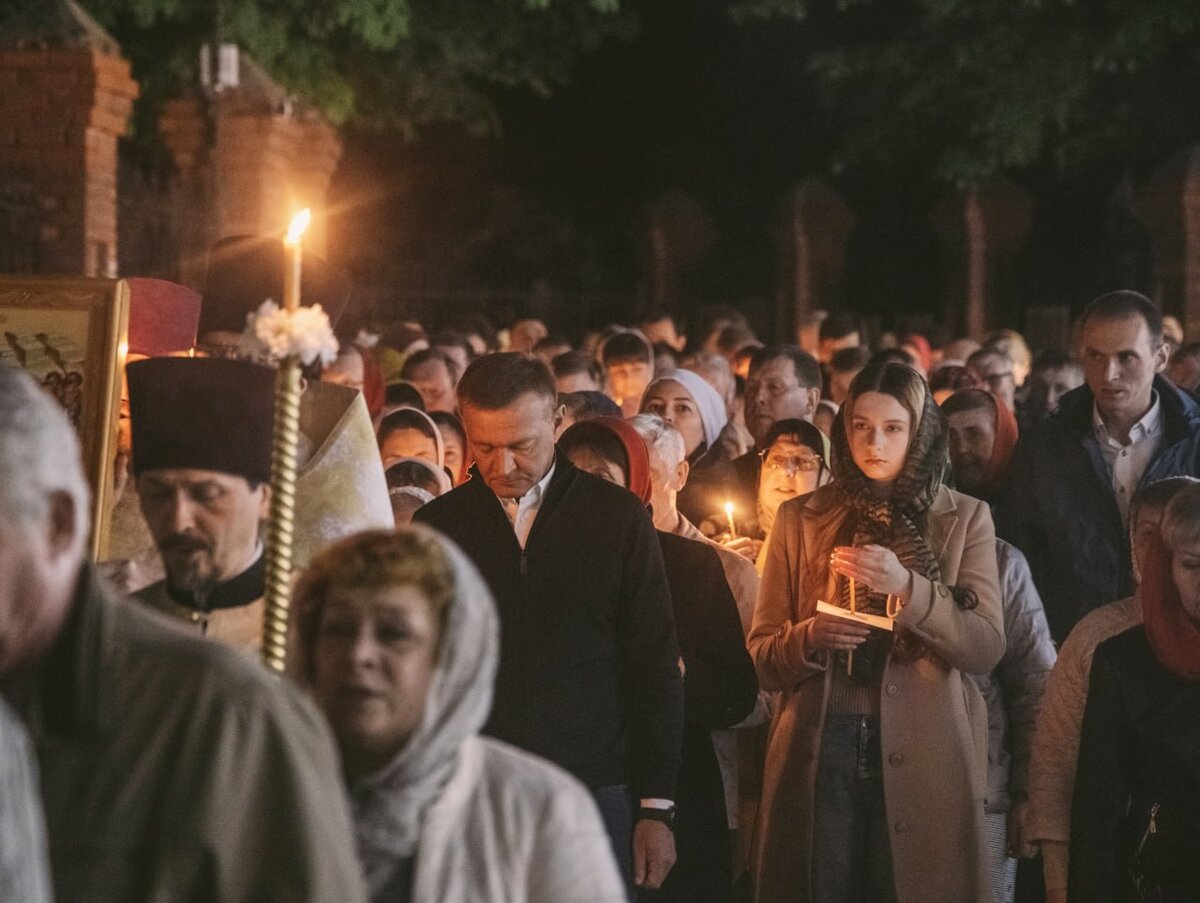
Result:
x=246 y=587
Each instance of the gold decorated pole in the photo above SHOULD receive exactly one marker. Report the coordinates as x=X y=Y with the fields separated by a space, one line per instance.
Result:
x=282 y=526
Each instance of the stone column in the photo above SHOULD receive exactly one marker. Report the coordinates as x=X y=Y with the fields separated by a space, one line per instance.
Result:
x=62 y=110
x=982 y=232
x=811 y=238
x=1169 y=206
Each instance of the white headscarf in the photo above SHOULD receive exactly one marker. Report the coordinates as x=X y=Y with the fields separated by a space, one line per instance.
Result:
x=417 y=420
x=388 y=806
x=713 y=416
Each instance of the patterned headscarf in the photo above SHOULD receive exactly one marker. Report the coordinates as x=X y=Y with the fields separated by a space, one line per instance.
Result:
x=896 y=523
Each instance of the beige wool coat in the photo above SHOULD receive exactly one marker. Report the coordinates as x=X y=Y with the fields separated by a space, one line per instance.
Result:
x=933 y=721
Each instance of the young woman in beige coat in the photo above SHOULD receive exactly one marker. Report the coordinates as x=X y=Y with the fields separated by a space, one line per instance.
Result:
x=877 y=761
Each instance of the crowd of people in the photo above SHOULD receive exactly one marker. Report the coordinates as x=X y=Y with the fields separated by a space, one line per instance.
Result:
x=663 y=614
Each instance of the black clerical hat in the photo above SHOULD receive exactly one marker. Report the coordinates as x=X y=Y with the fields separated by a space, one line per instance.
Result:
x=202 y=413
x=246 y=270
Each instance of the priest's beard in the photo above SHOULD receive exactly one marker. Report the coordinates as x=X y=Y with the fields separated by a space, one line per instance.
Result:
x=189 y=563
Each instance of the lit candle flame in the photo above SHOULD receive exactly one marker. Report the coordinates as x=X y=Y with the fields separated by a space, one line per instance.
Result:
x=299 y=223
x=729 y=509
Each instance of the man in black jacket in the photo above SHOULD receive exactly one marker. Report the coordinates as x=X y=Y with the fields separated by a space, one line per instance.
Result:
x=1066 y=500
x=588 y=674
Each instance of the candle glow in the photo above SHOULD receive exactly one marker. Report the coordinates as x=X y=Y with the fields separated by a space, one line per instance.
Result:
x=297 y=227
x=293 y=254
x=729 y=515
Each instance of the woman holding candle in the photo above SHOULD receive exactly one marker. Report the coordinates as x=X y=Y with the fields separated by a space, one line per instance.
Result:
x=876 y=769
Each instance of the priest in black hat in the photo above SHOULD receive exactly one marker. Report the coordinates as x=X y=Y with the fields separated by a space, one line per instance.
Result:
x=202 y=461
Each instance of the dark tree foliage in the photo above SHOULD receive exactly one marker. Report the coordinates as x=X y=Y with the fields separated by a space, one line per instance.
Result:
x=980 y=86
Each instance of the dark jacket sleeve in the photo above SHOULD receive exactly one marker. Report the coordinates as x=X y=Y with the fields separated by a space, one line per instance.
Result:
x=1101 y=787
x=649 y=664
x=719 y=685
x=1016 y=510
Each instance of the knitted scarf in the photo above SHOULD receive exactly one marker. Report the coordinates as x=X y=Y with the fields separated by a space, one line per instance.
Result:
x=897 y=523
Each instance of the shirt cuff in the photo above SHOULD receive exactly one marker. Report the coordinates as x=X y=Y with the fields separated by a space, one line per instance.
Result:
x=656 y=804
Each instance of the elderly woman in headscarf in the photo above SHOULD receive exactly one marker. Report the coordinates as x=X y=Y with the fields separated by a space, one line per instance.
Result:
x=1135 y=813
x=982 y=436
x=398 y=640
x=887 y=539
x=689 y=403
x=719 y=684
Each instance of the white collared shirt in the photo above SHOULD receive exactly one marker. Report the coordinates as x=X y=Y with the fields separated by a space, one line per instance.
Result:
x=523 y=511
x=1127 y=463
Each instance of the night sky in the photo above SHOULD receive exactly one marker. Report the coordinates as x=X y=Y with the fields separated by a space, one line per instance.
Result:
x=725 y=114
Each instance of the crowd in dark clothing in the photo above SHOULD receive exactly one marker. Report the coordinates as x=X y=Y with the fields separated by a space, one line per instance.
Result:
x=658 y=615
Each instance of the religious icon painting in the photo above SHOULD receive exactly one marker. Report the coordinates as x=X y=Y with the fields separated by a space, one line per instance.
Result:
x=70 y=333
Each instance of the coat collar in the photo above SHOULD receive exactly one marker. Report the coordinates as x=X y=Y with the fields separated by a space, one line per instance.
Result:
x=1181 y=413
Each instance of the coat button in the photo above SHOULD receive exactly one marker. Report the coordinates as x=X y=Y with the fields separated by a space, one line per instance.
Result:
x=901 y=827
x=893 y=690
x=896 y=758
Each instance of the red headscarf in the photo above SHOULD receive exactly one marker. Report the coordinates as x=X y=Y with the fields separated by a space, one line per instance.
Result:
x=1174 y=637
x=921 y=346
x=1006 y=444
x=636 y=457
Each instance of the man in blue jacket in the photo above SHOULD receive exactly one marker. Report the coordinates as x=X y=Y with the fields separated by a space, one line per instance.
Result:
x=1066 y=502
x=588 y=674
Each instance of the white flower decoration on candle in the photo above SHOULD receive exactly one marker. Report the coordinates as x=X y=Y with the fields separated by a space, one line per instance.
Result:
x=304 y=333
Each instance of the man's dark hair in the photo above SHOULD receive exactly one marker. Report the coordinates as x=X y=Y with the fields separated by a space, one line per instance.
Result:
x=952 y=377
x=891 y=356
x=495 y=381
x=969 y=400
x=838 y=326
x=845 y=360
x=1191 y=349
x=662 y=349
x=734 y=337
x=587 y=405
x=404 y=393
x=449 y=338
x=425 y=356
x=1053 y=359
x=1124 y=303
x=805 y=366
x=571 y=363
x=984 y=353
x=627 y=348
x=658 y=314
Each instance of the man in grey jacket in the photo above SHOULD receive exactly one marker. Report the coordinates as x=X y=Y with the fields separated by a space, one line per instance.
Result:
x=171 y=768
x=1013 y=690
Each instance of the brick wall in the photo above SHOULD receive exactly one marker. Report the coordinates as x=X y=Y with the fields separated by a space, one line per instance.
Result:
x=61 y=114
